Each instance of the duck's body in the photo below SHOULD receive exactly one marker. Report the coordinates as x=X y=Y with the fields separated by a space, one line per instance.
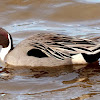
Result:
x=49 y=49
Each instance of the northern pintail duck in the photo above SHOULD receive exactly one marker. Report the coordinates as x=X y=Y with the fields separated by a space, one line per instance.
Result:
x=47 y=49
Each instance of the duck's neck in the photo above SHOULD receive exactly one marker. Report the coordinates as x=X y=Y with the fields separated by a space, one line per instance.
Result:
x=5 y=51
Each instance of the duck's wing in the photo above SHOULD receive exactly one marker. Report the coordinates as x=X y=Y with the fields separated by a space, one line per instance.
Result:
x=59 y=46
x=42 y=50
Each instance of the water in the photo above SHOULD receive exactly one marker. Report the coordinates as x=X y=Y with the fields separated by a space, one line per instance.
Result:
x=22 y=18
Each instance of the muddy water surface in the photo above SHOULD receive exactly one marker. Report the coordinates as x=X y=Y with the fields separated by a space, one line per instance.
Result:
x=79 y=18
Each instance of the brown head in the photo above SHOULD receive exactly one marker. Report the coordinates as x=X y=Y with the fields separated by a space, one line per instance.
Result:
x=4 y=40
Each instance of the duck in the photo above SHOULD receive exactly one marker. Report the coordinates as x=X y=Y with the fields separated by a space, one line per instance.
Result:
x=47 y=50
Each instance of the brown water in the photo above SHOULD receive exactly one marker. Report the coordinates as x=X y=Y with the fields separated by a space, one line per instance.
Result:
x=79 y=18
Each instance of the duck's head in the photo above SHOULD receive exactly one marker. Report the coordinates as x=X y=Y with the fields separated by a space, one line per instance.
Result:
x=5 y=42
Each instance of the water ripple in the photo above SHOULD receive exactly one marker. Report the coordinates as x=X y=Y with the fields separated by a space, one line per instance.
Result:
x=88 y=1
x=73 y=29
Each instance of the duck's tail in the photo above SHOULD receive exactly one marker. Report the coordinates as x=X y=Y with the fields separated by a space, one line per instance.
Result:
x=94 y=56
x=91 y=57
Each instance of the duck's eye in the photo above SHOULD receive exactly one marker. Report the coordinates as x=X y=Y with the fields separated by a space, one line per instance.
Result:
x=36 y=53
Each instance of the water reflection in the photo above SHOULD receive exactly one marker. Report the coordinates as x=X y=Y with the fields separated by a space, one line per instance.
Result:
x=36 y=80
x=39 y=82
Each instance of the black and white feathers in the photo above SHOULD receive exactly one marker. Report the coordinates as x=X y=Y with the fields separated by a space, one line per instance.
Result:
x=50 y=49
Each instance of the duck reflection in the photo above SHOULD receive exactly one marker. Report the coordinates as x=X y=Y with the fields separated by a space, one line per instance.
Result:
x=38 y=72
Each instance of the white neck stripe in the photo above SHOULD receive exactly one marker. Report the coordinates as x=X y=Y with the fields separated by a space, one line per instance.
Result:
x=4 y=51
